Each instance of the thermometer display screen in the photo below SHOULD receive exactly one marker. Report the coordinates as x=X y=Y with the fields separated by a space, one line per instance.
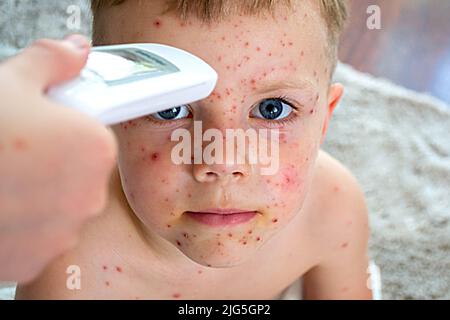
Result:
x=121 y=66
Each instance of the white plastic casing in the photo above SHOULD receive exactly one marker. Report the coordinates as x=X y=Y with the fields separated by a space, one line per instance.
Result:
x=114 y=89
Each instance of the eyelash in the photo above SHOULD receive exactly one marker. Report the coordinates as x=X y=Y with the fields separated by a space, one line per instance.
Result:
x=289 y=119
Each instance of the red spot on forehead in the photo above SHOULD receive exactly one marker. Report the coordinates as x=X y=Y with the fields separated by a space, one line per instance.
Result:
x=105 y=268
x=107 y=283
x=344 y=245
x=155 y=156
x=119 y=269
x=169 y=226
x=176 y=295
x=274 y=220
x=258 y=238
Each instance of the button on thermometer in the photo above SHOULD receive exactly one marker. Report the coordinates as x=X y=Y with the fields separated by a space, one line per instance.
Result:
x=125 y=82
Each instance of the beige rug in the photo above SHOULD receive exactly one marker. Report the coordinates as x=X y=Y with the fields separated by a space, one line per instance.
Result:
x=397 y=143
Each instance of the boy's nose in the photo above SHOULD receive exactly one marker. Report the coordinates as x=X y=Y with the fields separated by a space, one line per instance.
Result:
x=215 y=172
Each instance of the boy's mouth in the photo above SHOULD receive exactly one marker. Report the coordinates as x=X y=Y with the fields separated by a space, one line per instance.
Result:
x=222 y=217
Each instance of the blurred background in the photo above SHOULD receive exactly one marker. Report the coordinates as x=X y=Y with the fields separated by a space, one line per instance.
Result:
x=412 y=48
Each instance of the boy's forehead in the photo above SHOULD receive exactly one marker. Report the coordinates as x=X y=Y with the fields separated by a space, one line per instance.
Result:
x=288 y=45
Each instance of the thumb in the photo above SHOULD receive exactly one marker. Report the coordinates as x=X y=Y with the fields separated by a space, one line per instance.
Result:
x=49 y=62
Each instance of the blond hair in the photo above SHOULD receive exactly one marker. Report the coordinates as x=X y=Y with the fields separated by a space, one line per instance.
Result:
x=334 y=13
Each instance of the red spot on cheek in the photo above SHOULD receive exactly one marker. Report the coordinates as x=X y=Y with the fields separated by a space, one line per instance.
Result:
x=157 y=23
x=258 y=238
x=199 y=271
x=179 y=243
x=169 y=226
x=344 y=245
x=105 y=268
x=176 y=295
x=336 y=189
x=119 y=269
x=275 y=220
x=107 y=283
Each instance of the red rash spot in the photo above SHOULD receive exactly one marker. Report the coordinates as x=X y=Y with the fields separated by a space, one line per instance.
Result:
x=208 y=265
x=223 y=38
x=269 y=54
x=291 y=43
x=189 y=195
x=258 y=49
x=169 y=226
x=199 y=271
x=275 y=220
x=107 y=283
x=311 y=111
x=244 y=243
x=230 y=235
x=176 y=295
x=20 y=144
x=344 y=245
x=105 y=268
x=155 y=156
x=185 y=235
x=179 y=243
x=336 y=189
x=247 y=44
x=250 y=231
x=119 y=269
x=302 y=53
x=157 y=23
x=258 y=238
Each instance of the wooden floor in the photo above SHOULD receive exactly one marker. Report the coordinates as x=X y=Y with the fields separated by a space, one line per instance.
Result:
x=412 y=48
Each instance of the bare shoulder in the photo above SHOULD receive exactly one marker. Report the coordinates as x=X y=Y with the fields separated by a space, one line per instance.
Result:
x=337 y=213
x=338 y=205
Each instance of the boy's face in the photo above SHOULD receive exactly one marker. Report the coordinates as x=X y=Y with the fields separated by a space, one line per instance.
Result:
x=273 y=74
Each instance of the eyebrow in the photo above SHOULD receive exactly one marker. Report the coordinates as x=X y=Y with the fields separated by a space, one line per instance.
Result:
x=273 y=85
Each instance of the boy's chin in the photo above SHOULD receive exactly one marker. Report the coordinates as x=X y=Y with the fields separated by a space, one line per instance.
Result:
x=221 y=259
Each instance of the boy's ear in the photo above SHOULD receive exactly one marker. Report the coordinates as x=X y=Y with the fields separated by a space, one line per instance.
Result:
x=334 y=96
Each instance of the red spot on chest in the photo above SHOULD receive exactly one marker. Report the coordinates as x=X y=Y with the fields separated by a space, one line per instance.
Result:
x=20 y=144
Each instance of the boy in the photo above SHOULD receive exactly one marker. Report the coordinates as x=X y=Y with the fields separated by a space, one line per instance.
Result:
x=223 y=230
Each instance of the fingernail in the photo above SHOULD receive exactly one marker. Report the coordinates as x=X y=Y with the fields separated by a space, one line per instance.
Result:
x=77 y=41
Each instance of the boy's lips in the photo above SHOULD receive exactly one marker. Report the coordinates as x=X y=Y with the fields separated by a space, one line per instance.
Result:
x=222 y=217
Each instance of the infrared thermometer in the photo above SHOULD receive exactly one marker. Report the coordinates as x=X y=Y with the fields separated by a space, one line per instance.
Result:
x=125 y=82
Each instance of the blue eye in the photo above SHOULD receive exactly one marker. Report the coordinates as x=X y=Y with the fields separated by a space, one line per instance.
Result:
x=272 y=109
x=174 y=113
